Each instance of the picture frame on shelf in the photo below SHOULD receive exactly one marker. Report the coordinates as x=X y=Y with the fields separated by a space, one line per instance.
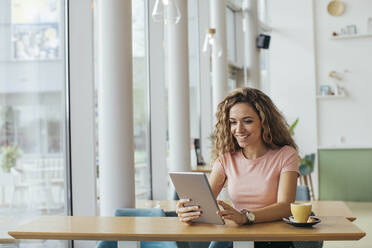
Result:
x=325 y=90
x=351 y=29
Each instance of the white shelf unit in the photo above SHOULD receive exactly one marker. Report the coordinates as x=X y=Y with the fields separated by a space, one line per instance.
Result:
x=354 y=36
x=331 y=96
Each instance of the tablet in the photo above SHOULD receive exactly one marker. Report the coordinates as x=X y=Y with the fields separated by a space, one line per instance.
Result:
x=195 y=186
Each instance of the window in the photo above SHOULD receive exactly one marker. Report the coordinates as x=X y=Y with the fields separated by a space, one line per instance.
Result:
x=140 y=97
x=231 y=35
x=262 y=10
x=35 y=29
x=264 y=53
x=194 y=80
x=194 y=74
x=32 y=110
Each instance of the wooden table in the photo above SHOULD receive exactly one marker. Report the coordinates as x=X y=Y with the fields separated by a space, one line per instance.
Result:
x=320 y=208
x=332 y=208
x=334 y=226
x=171 y=229
x=203 y=168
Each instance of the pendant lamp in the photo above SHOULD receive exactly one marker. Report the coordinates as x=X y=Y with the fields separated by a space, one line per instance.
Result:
x=210 y=43
x=166 y=11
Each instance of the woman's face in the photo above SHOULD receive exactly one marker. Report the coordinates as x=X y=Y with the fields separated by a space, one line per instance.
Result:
x=245 y=125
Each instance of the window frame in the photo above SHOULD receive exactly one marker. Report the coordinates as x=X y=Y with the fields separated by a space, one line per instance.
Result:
x=80 y=117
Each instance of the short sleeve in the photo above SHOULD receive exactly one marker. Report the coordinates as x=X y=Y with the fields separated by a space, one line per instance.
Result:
x=291 y=160
x=218 y=167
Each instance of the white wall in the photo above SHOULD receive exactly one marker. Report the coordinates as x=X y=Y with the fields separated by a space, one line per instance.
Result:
x=292 y=68
x=345 y=122
x=301 y=57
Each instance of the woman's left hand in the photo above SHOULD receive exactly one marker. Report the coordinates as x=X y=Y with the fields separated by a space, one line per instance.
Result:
x=230 y=213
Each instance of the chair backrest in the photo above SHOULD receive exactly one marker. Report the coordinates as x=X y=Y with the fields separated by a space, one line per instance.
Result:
x=302 y=193
x=140 y=212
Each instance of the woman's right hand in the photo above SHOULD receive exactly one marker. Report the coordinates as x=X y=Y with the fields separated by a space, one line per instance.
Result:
x=189 y=213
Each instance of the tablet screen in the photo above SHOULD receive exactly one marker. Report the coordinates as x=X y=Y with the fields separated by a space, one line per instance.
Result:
x=195 y=186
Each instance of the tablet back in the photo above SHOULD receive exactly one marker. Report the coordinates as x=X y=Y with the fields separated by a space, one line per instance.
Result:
x=195 y=186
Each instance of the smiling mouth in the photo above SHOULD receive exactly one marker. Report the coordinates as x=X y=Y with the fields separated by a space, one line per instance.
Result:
x=242 y=137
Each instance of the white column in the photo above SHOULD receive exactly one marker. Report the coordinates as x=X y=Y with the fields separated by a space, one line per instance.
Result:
x=116 y=150
x=251 y=52
x=219 y=61
x=178 y=92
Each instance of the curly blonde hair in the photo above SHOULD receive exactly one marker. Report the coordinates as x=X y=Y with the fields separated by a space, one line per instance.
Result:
x=275 y=129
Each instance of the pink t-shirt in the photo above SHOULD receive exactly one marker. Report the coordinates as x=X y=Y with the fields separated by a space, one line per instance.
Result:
x=253 y=184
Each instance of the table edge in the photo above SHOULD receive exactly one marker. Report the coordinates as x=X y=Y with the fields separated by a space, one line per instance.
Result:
x=173 y=237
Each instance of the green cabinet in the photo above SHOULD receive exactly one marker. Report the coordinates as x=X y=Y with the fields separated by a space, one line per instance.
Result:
x=345 y=174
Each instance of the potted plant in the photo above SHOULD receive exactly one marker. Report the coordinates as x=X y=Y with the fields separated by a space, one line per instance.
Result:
x=10 y=155
x=307 y=164
x=307 y=161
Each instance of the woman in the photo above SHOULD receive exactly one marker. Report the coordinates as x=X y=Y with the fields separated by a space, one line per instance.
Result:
x=255 y=153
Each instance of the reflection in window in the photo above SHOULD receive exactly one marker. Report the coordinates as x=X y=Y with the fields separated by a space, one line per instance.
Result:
x=35 y=29
x=32 y=111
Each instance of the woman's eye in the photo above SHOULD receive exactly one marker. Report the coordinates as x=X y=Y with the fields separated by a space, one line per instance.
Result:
x=248 y=121
x=232 y=122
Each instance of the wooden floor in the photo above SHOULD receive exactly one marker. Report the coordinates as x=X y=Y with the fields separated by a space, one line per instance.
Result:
x=363 y=212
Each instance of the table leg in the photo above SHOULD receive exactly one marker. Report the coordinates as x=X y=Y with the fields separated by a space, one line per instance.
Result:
x=243 y=244
x=129 y=244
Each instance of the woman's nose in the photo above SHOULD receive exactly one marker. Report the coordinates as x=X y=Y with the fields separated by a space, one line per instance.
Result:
x=239 y=126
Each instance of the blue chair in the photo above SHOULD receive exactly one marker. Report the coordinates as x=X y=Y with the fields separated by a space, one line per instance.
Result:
x=302 y=193
x=142 y=212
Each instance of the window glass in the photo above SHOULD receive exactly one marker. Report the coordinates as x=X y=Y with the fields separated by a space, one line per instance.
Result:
x=32 y=111
x=262 y=10
x=194 y=75
x=140 y=98
x=231 y=35
x=264 y=53
x=35 y=29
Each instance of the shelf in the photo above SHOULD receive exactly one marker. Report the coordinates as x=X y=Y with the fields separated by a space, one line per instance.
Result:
x=331 y=96
x=354 y=36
